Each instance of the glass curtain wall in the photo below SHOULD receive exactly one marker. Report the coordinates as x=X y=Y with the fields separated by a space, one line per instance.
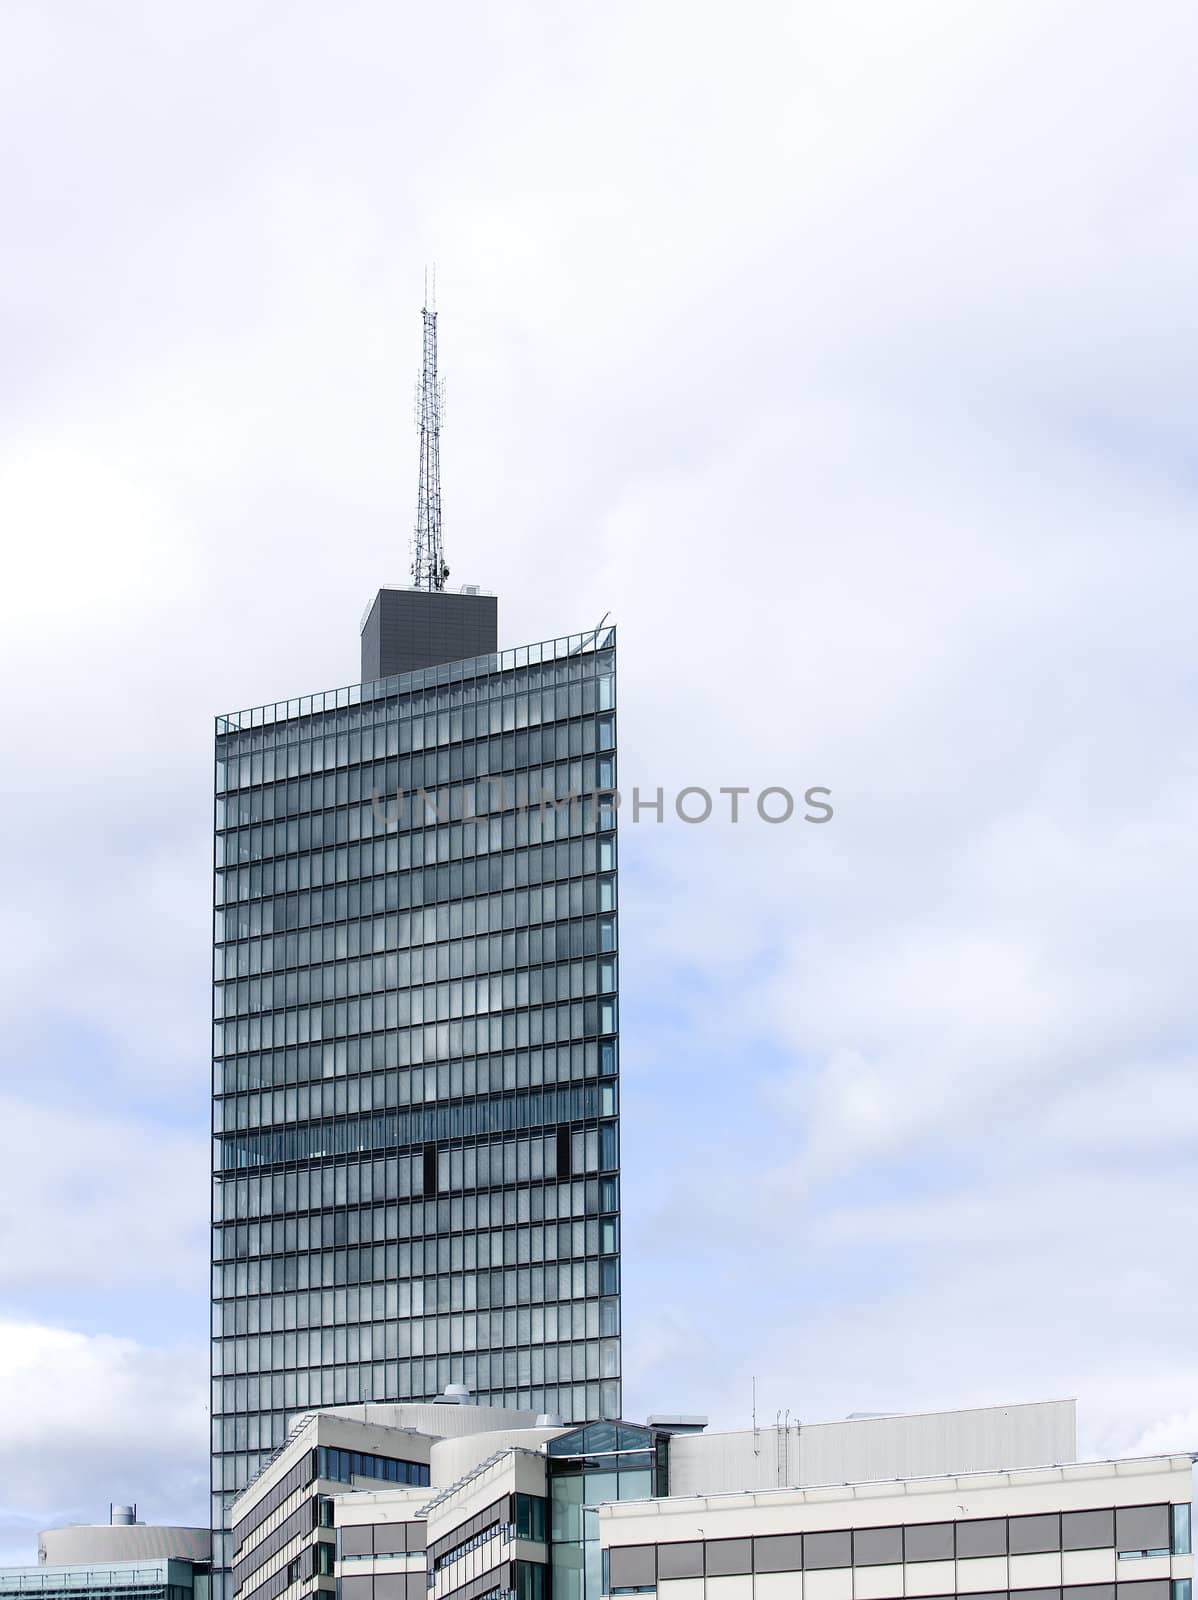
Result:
x=602 y=1462
x=415 y=1175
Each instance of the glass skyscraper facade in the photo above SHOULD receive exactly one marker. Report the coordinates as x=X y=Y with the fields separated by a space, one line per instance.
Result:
x=415 y=1175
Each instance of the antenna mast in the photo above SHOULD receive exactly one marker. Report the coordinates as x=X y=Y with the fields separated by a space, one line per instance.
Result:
x=429 y=570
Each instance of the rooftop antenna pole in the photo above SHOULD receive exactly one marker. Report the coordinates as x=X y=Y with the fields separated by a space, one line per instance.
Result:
x=429 y=570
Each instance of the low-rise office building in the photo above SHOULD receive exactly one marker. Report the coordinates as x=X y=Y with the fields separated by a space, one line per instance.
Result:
x=162 y=1578
x=1106 y=1530
x=121 y=1559
x=283 y=1538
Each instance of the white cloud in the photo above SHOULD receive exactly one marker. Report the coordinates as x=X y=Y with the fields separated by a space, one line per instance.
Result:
x=96 y=1202
x=90 y=1419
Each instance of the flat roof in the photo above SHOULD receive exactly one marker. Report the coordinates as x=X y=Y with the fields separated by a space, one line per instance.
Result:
x=873 y=1488
x=357 y=694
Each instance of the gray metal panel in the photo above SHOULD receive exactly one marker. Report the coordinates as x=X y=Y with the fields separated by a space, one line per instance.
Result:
x=921 y=1445
x=411 y=628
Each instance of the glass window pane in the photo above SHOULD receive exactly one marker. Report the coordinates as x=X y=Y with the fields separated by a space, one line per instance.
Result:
x=357 y=1541
x=636 y=1485
x=1031 y=1536
x=729 y=1557
x=929 y=1541
x=1181 y=1530
x=782 y=1553
x=390 y=1539
x=827 y=1550
x=1150 y=1589
x=877 y=1547
x=1087 y=1530
x=1091 y=1591
x=632 y=1566
x=390 y=1586
x=986 y=1537
x=1142 y=1528
x=683 y=1560
x=599 y=1487
x=566 y=1505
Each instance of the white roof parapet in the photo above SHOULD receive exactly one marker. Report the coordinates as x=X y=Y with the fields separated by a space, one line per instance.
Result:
x=874 y=1488
x=477 y=1472
x=302 y=1422
x=309 y=1422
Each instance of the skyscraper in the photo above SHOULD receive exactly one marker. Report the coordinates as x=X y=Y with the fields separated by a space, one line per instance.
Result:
x=415 y=1175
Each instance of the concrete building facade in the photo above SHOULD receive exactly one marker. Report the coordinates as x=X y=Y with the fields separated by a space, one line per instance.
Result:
x=1107 y=1530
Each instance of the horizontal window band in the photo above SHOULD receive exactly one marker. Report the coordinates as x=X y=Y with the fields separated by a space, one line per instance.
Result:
x=404 y=1129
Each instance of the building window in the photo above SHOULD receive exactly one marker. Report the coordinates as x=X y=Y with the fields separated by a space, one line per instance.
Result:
x=530 y=1580
x=1087 y=1530
x=357 y=1540
x=781 y=1552
x=683 y=1560
x=986 y=1537
x=929 y=1541
x=1151 y=1589
x=877 y=1547
x=341 y=1466
x=1142 y=1531
x=729 y=1558
x=1032 y=1536
x=827 y=1550
x=1181 y=1534
x=530 y=1517
x=631 y=1568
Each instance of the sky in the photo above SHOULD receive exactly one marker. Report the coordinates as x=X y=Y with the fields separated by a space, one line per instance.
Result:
x=844 y=354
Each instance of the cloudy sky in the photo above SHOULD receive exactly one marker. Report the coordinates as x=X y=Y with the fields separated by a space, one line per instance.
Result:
x=846 y=355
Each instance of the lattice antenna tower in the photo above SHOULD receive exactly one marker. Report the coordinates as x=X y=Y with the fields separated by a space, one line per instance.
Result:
x=429 y=569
